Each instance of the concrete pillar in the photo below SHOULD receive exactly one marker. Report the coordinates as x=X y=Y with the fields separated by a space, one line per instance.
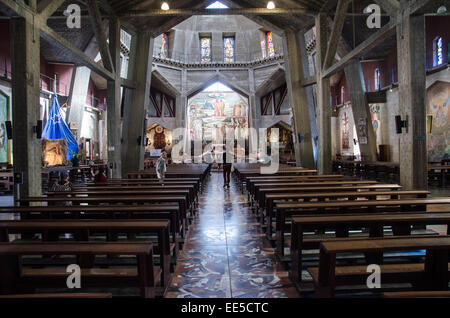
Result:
x=324 y=161
x=114 y=101
x=361 y=111
x=252 y=107
x=25 y=67
x=310 y=98
x=297 y=95
x=78 y=99
x=134 y=121
x=412 y=101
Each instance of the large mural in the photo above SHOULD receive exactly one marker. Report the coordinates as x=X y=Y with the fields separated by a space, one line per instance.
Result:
x=4 y=106
x=210 y=113
x=438 y=104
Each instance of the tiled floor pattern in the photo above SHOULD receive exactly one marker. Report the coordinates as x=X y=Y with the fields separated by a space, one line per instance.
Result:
x=226 y=254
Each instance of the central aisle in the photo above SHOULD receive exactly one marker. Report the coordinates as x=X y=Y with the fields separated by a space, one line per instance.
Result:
x=225 y=253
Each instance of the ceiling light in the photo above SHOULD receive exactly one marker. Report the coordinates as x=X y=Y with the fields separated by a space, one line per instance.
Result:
x=442 y=9
x=165 y=6
x=270 y=5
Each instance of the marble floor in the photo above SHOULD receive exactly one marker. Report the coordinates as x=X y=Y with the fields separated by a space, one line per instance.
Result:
x=226 y=254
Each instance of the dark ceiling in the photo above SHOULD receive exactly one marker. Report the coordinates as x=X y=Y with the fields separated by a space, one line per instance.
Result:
x=355 y=29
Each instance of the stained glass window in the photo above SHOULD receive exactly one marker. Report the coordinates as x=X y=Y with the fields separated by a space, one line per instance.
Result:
x=263 y=45
x=438 y=51
x=270 y=45
x=228 y=49
x=205 y=49
x=164 y=47
x=377 y=79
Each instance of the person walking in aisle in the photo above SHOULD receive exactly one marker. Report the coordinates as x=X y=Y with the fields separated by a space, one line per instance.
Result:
x=161 y=167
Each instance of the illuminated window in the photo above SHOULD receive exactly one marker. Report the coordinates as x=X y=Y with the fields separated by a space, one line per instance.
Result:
x=205 y=49
x=263 y=45
x=270 y=45
x=217 y=5
x=342 y=95
x=438 y=53
x=164 y=46
x=377 y=79
x=228 y=49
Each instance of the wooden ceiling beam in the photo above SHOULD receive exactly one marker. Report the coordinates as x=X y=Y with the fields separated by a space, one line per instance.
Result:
x=97 y=26
x=230 y=11
x=390 y=6
x=336 y=32
x=47 y=7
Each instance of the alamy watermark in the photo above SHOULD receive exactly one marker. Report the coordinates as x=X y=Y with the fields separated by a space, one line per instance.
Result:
x=74 y=279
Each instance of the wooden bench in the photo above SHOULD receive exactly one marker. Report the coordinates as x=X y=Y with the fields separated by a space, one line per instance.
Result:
x=146 y=182
x=256 y=186
x=432 y=275
x=14 y=278
x=263 y=191
x=118 y=192
x=340 y=224
x=284 y=210
x=82 y=230
x=115 y=199
x=324 y=196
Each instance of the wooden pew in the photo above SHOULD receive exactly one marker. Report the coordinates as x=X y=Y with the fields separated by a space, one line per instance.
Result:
x=118 y=192
x=256 y=186
x=284 y=210
x=13 y=277
x=262 y=192
x=341 y=223
x=324 y=196
x=82 y=230
x=146 y=182
x=432 y=275
x=113 y=200
x=313 y=178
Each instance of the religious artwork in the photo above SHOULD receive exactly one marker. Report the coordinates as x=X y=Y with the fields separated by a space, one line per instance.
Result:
x=375 y=113
x=438 y=104
x=345 y=132
x=54 y=152
x=362 y=131
x=438 y=57
x=228 y=49
x=4 y=106
x=377 y=79
x=158 y=138
x=270 y=45
x=164 y=53
x=211 y=113
x=205 y=49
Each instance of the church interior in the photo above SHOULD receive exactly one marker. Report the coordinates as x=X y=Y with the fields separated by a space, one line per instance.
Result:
x=224 y=149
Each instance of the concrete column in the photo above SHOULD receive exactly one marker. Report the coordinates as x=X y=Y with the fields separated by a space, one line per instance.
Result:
x=361 y=111
x=297 y=95
x=82 y=76
x=25 y=67
x=134 y=125
x=310 y=97
x=323 y=98
x=252 y=107
x=412 y=101
x=114 y=101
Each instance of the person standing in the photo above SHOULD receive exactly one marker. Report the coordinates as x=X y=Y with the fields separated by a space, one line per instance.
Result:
x=228 y=158
x=161 y=167
x=100 y=176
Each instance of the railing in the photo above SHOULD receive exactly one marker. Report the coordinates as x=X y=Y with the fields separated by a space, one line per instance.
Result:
x=182 y=58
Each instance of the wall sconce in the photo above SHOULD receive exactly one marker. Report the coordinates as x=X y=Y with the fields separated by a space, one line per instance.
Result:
x=38 y=129
x=355 y=141
x=399 y=124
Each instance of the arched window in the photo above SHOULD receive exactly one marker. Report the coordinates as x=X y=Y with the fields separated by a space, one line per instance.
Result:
x=438 y=51
x=164 y=53
x=377 y=79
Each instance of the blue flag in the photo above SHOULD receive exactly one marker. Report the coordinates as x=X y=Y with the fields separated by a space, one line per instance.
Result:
x=56 y=128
